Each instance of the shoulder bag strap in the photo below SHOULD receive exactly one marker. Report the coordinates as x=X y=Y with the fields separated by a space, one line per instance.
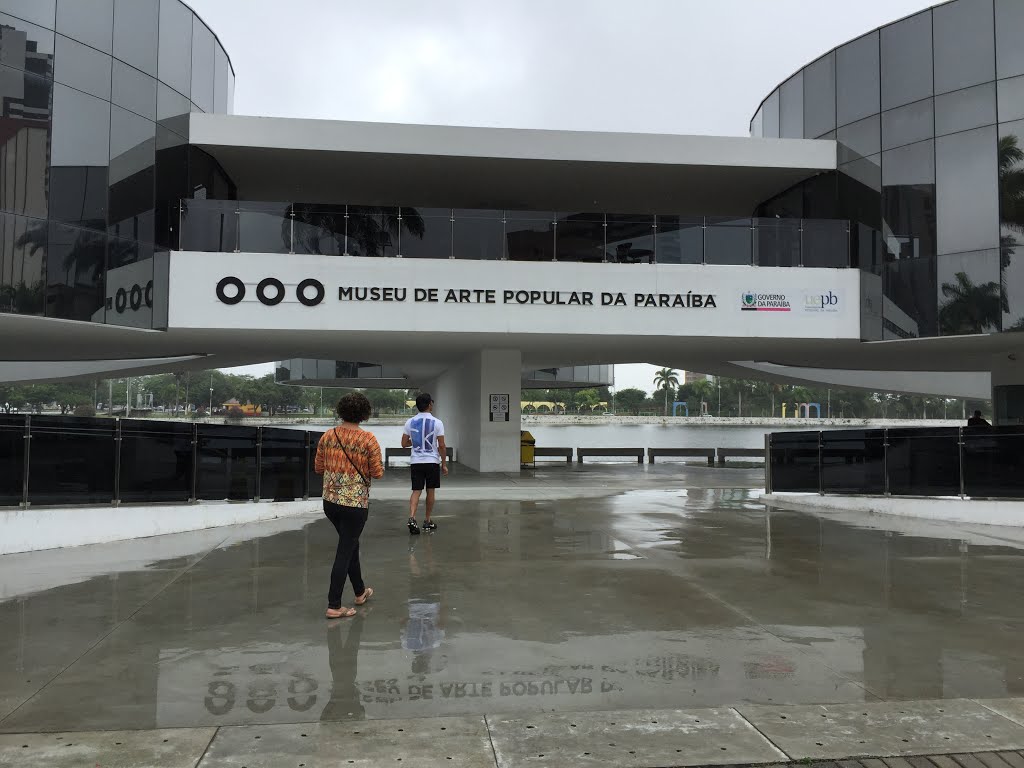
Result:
x=347 y=456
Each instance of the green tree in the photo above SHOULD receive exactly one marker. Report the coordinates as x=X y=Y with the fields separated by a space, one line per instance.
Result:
x=969 y=307
x=630 y=400
x=666 y=379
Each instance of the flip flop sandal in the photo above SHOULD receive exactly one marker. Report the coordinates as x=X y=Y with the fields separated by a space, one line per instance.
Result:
x=367 y=594
x=340 y=613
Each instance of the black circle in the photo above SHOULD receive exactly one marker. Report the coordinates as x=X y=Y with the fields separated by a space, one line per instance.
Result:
x=261 y=291
x=121 y=300
x=224 y=283
x=136 y=297
x=310 y=283
x=149 y=294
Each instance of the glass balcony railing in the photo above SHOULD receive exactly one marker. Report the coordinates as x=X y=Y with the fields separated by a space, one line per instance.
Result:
x=446 y=233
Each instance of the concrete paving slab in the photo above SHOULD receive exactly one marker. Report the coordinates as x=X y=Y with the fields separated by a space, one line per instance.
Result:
x=171 y=748
x=1012 y=709
x=451 y=742
x=889 y=728
x=633 y=738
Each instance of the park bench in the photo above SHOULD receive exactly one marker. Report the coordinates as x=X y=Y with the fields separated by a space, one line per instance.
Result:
x=724 y=453
x=637 y=452
x=565 y=453
x=708 y=453
x=407 y=453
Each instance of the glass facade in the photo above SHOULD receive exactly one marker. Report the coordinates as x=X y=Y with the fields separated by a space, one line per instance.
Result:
x=90 y=182
x=929 y=115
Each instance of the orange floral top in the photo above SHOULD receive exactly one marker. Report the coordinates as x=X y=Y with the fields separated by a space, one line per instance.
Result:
x=342 y=483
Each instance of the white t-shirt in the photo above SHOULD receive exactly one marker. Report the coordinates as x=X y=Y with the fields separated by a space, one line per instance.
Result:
x=423 y=429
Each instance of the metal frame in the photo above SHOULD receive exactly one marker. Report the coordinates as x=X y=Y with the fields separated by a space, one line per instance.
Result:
x=28 y=457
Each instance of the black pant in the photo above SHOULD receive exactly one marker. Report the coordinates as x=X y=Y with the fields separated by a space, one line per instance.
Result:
x=348 y=522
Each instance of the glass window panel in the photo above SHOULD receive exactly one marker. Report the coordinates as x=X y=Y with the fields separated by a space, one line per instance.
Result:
x=1009 y=52
x=132 y=159
x=174 y=64
x=135 y=33
x=42 y=12
x=26 y=47
x=12 y=457
x=170 y=185
x=791 y=107
x=679 y=240
x=23 y=243
x=220 y=83
x=82 y=67
x=226 y=462
x=1011 y=99
x=777 y=242
x=319 y=229
x=964 y=44
x=25 y=126
x=967 y=203
x=908 y=124
x=965 y=109
x=203 y=64
x=314 y=482
x=75 y=261
x=134 y=90
x=857 y=82
x=283 y=466
x=71 y=461
x=156 y=461
x=994 y=463
x=426 y=233
x=970 y=297
x=529 y=236
x=80 y=155
x=630 y=239
x=924 y=462
x=1011 y=221
x=728 y=241
x=373 y=231
x=820 y=97
x=907 y=60
x=853 y=461
x=580 y=237
x=757 y=124
x=264 y=227
x=172 y=109
x=909 y=309
x=825 y=243
x=908 y=200
x=87 y=21
x=770 y=126
x=231 y=90
x=859 y=139
x=209 y=226
x=478 y=234
x=794 y=462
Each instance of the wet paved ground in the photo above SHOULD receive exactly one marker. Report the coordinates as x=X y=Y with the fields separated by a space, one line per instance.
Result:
x=687 y=594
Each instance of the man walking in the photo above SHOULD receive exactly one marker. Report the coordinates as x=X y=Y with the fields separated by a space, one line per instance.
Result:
x=425 y=435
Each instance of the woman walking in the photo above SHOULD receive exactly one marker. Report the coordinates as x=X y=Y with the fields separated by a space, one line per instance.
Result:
x=349 y=458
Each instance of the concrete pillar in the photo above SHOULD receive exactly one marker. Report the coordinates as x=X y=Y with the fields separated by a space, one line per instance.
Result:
x=1008 y=391
x=462 y=395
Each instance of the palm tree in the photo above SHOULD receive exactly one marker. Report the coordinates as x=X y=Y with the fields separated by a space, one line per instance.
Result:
x=369 y=229
x=970 y=308
x=1011 y=206
x=666 y=378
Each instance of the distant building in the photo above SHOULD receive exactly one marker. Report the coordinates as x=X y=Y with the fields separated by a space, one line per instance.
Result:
x=689 y=377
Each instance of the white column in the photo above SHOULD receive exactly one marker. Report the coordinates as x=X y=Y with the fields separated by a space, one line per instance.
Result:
x=462 y=396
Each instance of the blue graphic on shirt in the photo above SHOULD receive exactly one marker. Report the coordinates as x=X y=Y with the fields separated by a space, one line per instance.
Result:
x=423 y=434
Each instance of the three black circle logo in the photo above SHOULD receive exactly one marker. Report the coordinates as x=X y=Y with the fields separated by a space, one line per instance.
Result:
x=133 y=297
x=270 y=291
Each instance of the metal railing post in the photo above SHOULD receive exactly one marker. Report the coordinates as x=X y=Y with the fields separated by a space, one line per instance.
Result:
x=305 y=472
x=193 y=495
x=821 y=470
x=291 y=231
x=117 y=462
x=768 y=462
x=885 y=462
x=259 y=462
x=238 y=231
x=28 y=457
x=960 y=455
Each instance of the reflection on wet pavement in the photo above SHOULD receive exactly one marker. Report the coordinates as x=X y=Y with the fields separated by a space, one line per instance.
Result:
x=684 y=597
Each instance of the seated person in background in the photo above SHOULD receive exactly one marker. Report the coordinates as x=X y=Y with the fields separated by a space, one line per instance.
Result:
x=977 y=421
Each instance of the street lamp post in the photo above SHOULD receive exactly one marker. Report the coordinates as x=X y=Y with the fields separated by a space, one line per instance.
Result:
x=210 y=412
x=719 y=398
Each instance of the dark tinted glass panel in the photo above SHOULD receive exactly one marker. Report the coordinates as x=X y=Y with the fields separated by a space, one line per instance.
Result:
x=209 y=225
x=132 y=157
x=857 y=85
x=964 y=44
x=264 y=227
x=71 y=461
x=910 y=287
x=283 y=470
x=679 y=240
x=203 y=45
x=757 y=124
x=226 y=461
x=821 y=197
x=174 y=66
x=87 y=21
x=25 y=127
x=479 y=234
x=794 y=462
x=966 y=175
x=427 y=233
x=859 y=139
x=728 y=241
x=770 y=111
x=1011 y=221
x=630 y=239
x=994 y=463
x=580 y=237
x=81 y=129
x=156 y=461
x=82 y=67
x=791 y=107
x=924 y=462
x=220 y=83
x=135 y=33
x=529 y=236
x=231 y=90
x=75 y=260
x=820 y=97
x=26 y=47
x=42 y=12
x=1009 y=51
x=908 y=124
x=907 y=60
x=853 y=462
x=777 y=242
x=170 y=184
x=1011 y=99
x=12 y=458
x=172 y=109
x=315 y=482
x=825 y=243
x=860 y=186
x=908 y=200
x=373 y=231
x=23 y=243
x=965 y=109
x=134 y=90
x=319 y=229
x=970 y=297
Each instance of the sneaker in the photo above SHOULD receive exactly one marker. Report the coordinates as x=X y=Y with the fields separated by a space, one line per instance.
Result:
x=430 y=525
x=413 y=528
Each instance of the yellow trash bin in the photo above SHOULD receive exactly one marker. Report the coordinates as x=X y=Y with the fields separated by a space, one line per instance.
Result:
x=526 y=449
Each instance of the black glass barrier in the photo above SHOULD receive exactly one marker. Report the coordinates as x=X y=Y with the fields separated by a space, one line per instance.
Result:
x=217 y=226
x=985 y=462
x=65 y=460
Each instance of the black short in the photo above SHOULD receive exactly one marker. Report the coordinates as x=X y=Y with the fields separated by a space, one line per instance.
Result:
x=428 y=475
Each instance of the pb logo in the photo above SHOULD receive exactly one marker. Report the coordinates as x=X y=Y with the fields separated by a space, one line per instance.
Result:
x=829 y=300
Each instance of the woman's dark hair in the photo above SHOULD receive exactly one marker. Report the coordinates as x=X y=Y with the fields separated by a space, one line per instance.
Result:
x=354 y=408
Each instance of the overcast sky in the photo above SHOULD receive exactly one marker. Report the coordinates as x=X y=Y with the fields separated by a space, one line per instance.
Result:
x=654 y=66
